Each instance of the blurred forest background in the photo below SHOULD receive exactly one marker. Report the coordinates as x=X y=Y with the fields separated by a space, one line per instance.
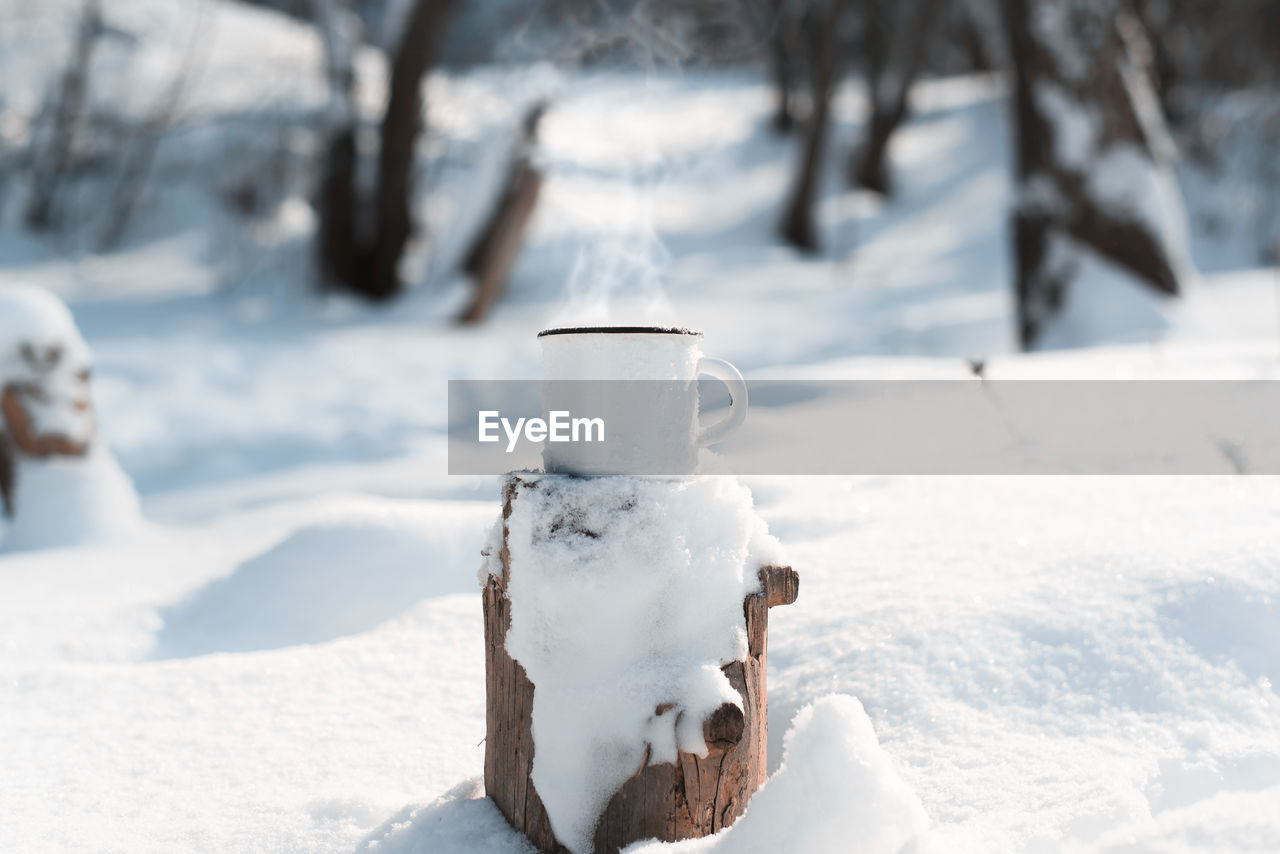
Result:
x=318 y=151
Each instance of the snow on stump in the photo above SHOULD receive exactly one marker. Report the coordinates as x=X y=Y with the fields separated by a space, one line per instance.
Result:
x=625 y=633
x=59 y=485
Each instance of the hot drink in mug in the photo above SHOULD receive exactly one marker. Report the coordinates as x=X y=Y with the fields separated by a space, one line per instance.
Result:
x=641 y=382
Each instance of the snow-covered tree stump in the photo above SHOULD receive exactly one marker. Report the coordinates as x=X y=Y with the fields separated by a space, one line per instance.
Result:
x=59 y=485
x=692 y=797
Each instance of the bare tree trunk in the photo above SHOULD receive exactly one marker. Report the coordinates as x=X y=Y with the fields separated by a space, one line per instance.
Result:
x=495 y=248
x=968 y=34
x=797 y=222
x=897 y=36
x=1156 y=17
x=51 y=164
x=521 y=161
x=338 y=201
x=986 y=19
x=783 y=65
x=6 y=168
x=8 y=477
x=400 y=127
x=1092 y=155
x=363 y=256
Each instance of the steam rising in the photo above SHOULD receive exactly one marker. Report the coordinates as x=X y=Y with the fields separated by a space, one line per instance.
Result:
x=618 y=277
x=618 y=270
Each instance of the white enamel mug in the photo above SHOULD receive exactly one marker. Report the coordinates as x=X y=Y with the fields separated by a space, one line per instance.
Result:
x=642 y=383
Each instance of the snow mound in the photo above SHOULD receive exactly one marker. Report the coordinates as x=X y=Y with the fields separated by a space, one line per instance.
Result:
x=79 y=501
x=626 y=593
x=30 y=315
x=1240 y=822
x=837 y=792
x=366 y=563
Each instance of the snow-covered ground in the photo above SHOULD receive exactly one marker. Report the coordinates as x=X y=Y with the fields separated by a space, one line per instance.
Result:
x=290 y=659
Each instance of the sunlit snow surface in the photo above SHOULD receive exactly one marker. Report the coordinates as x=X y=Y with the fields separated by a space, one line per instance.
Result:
x=291 y=658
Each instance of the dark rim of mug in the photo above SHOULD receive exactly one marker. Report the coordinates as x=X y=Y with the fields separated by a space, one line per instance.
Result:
x=607 y=330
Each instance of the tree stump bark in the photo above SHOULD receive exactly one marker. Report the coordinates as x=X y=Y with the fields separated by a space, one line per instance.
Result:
x=693 y=797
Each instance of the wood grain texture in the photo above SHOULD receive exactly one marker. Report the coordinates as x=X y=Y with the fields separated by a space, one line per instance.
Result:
x=693 y=797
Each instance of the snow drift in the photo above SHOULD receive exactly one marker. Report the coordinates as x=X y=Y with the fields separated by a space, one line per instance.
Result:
x=837 y=792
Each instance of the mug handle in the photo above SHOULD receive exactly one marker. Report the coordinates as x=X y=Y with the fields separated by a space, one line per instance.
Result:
x=727 y=374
